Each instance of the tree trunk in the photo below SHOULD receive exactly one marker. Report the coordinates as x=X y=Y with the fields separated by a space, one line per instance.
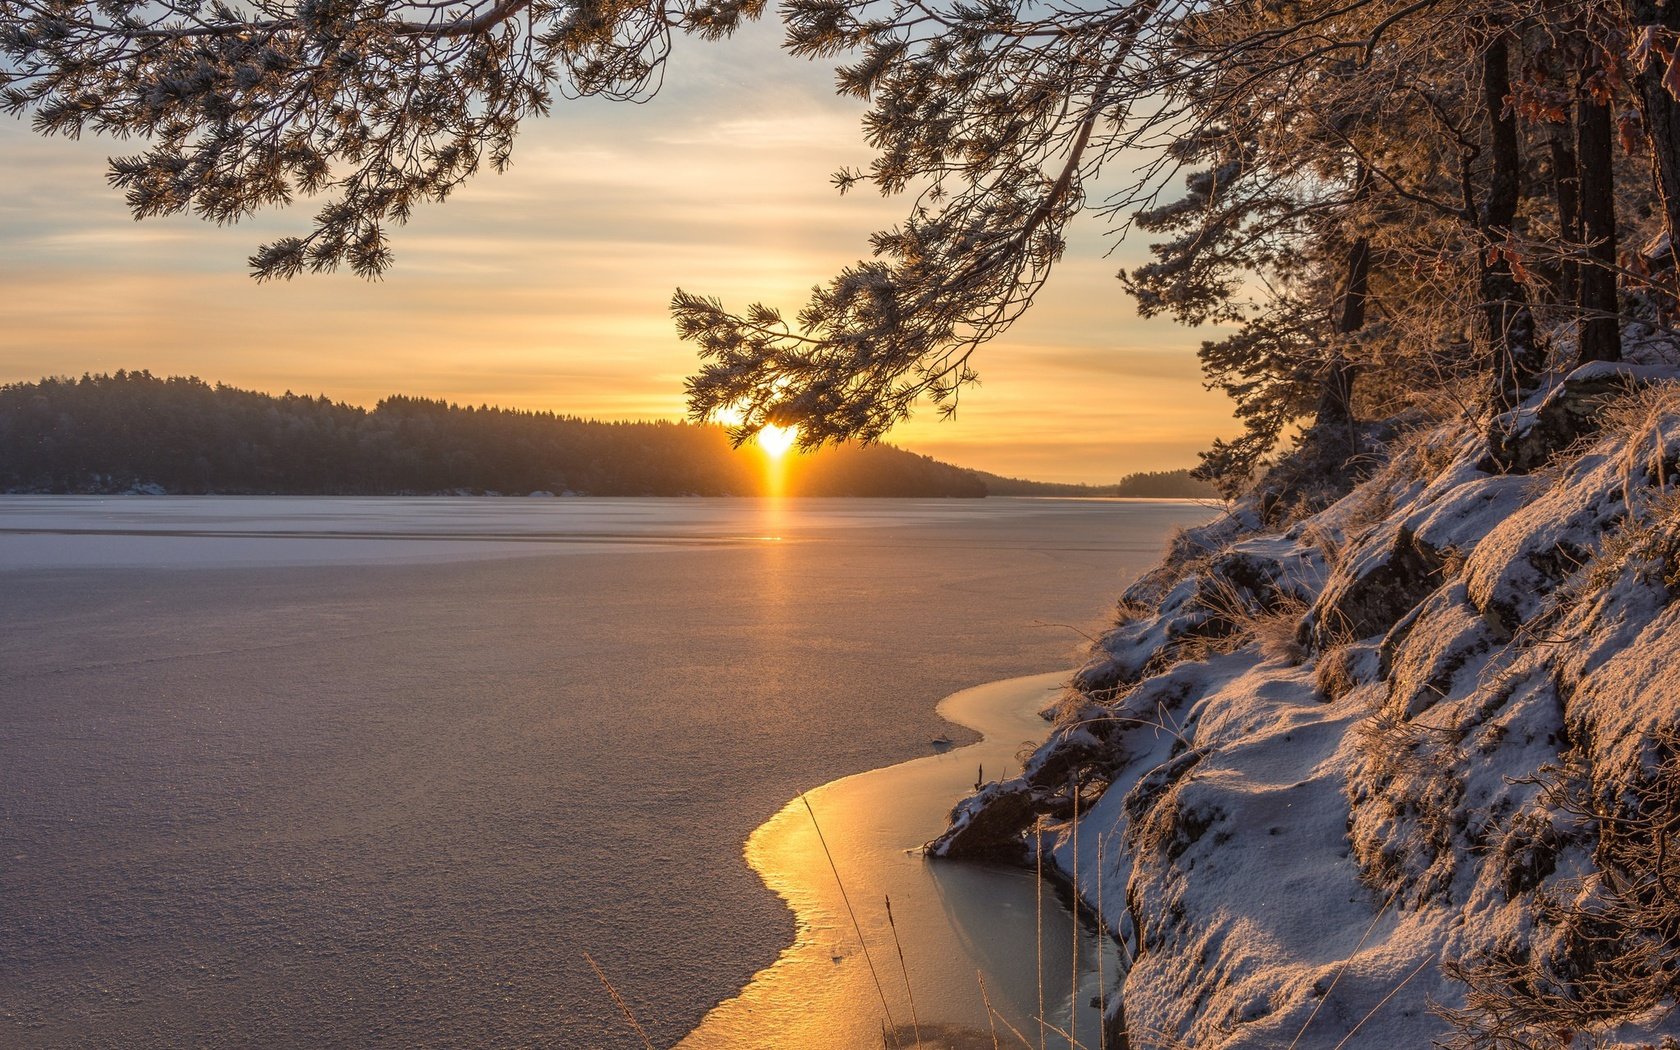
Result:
x=1566 y=185
x=1662 y=112
x=1600 y=328
x=1334 y=414
x=1517 y=360
x=1335 y=399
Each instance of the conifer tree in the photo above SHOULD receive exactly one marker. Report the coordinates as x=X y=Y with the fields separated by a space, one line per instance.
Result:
x=1368 y=188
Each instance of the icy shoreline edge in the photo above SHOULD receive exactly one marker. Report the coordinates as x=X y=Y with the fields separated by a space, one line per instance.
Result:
x=819 y=992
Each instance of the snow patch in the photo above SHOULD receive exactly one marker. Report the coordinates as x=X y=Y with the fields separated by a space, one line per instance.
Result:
x=1412 y=811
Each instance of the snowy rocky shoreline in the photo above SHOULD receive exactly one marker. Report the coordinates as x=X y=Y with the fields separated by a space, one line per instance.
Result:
x=1401 y=768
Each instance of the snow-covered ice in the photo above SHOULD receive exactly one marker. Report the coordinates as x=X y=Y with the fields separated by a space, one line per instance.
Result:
x=282 y=798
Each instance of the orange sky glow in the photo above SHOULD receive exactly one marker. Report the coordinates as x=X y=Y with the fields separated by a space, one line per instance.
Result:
x=547 y=288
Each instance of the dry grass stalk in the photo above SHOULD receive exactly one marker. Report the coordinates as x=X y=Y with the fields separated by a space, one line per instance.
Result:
x=985 y=997
x=1329 y=545
x=1420 y=454
x=915 y=1022
x=992 y=1016
x=1646 y=545
x=1368 y=506
x=1342 y=969
x=1102 y=924
x=1073 y=973
x=1038 y=919
x=1334 y=674
x=1073 y=1044
x=856 y=926
x=1392 y=992
x=1643 y=411
x=1239 y=617
x=1620 y=949
x=1276 y=631
x=618 y=1001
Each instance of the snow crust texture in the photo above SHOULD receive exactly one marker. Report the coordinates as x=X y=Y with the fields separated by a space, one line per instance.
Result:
x=1404 y=772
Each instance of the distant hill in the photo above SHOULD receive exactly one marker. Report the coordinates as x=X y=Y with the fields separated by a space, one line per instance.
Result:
x=132 y=431
x=1159 y=484
x=136 y=432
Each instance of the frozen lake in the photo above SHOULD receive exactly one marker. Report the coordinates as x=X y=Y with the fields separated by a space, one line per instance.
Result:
x=377 y=772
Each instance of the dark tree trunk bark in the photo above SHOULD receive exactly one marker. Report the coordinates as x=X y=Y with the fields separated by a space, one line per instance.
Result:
x=1356 y=290
x=1335 y=401
x=1334 y=411
x=1662 y=112
x=1566 y=185
x=1517 y=361
x=1600 y=328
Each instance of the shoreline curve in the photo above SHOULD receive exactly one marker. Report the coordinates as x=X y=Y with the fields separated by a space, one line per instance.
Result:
x=951 y=920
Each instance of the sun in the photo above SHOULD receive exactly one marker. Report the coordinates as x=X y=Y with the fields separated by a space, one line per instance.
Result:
x=775 y=440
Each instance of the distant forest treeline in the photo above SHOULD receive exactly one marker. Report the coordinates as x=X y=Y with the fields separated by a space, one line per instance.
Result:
x=116 y=433
x=133 y=431
x=1149 y=484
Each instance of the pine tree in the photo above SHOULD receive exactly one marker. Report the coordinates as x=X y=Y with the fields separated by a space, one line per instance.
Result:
x=1374 y=187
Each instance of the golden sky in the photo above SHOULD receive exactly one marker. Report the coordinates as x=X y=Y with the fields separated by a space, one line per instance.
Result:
x=547 y=288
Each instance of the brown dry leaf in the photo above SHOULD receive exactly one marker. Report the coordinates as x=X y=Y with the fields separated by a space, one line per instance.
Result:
x=1639 y=52
x=1518 y=270
x=1630 y=128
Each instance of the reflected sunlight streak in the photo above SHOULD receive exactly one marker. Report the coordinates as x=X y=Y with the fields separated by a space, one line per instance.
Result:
x=775 y=441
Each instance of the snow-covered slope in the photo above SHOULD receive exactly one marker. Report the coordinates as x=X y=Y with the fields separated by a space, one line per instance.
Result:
x=1403 y=772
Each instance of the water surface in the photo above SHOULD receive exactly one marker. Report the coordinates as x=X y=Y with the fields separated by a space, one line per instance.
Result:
x=377 y=772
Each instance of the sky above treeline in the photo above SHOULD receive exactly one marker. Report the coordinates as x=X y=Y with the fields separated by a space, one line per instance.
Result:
x=547 y=288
